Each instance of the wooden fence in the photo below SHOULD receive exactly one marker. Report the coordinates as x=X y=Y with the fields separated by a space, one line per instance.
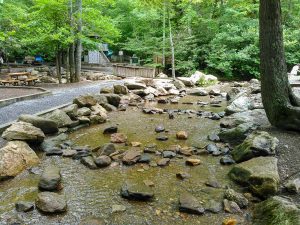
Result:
x=134 y=71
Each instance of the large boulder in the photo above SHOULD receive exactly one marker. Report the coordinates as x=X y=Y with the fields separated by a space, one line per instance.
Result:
x=23 y=131
x=260 y=174
x=198 y=92
x=50 y=179
x=179 y=84
x=240 y=104
x=120 y=89
x=113 y=99
x=85 y=101
x=50 y=202
x=238 y=134
x=131 y=85
x=203 y=79
x=276 y=210
x=186 y=81
x=60 y=117
x=257 y=144
x=15 y=157
x=46 y=125
x=71 y=110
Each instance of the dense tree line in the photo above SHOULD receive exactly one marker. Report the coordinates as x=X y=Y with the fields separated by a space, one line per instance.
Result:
x=218 y=36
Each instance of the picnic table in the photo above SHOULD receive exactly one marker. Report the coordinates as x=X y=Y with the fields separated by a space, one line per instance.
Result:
x=23 y=78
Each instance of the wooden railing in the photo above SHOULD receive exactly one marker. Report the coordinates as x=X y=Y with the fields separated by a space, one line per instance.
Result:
x=134 y=71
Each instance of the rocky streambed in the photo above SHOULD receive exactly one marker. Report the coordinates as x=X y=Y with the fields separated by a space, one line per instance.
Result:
x=156 y=158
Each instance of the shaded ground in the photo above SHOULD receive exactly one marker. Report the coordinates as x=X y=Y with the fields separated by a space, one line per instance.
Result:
x=6 y=93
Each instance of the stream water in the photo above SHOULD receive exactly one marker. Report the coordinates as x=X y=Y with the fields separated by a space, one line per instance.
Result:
x=93 y=192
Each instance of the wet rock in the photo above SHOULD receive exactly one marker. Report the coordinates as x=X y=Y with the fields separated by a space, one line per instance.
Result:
x=52 y=142
x=103 y=161
x=50 y=202
x=227 y=160
x=189 y=204
x=183 y=175
x=23 y=131
x=211 y=148
x=260 y=174
x=71 y=111
x=136 y=192
x=163 y=162
x=118 y=208
x=131 y=157
x=276 y=210
x=46 y=125
x=168 y=154
x=181 y=135
x=84 y=111
x=22 y=206
x=120 y=89
x=237 y=134
x=60 y=117
x=239 y=198
x=54 y=151
x=150 y=148
x=107 y=149
x=118 y=138
x=15 y=157
x=85 y=101
x=258 y=143
x=50 y=179
x=145 y=158
x=192 y=162
x=110 y=130
x=113 y=99
x=293 y=185
x=213 y=206
x=92 y=221
x=198 y=92
x=88 y=161
x=159 y=129
x=81 y=154
x=212 y=182
x=162 y=138
x=134 y=85
x=231 y=207
x=213 y=137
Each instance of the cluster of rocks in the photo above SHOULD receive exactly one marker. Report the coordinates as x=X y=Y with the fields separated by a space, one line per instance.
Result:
x=94 y=76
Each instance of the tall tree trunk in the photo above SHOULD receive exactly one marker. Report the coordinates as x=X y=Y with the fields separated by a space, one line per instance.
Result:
x=58 y=66
x=67 y=64
x=164 y=37
x=78 y=42
x=172 y=46
x=281 y=105
x=72 y=63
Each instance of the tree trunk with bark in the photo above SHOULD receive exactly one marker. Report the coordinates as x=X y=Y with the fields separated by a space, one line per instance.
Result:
x=58 y=65
x=78 y=42
x=172 y=46
x=164 y=37
x=280 y=103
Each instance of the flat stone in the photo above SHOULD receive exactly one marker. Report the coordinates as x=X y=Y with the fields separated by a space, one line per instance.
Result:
x=69 y=153
x=213 y=137
x=239 y=198
x=107 y=149
x=85 y=101
x=145 y=158
x=118 y=138
x=50 y=202
x=131 y=157
x=88 y=161
x=231 y=207
x=118 y=208
x=260 y=174
x=168 y=154
x=136 y=192
x=162 y=138
x=103 y=161
x=22 y=206
x=163 y=162
x=227 y=160
x=189 y=204
x=60 y=117
x=110 y=130
x=54 y=151
x=213 y=206
x=46 y=125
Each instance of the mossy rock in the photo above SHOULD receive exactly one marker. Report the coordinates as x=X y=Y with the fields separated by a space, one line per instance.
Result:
x=259 y=174
x=276 y=211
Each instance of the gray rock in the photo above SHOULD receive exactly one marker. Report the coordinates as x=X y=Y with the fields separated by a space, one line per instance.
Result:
x=50 y=202
x=120 y=89
x=113 y=99
x=46 y=125
x=84 y=111
x=54 y=151
x=103 y=161
x=179 y=84
x=159 y=129
x=198 y=92
x=168 y=154
x=110 y=130
x=60 y=117
x=257 y=144
x=239 y=198
x=134 y=85
x=276 y=210
x=213 y=137
x=211 y=148
x=213 y=206
x=231 y=207
x=107 y=149
x=131 y=157
x=22 y=206
x=85 y=101
x=259 y=174
x=162 y=138
x=163 y=162
x=71 y=111
x=145 y=158
x=50 y=179
x=118 y=208
x=293 y=185
x=137 y=192
x=88 y=161
x=52 y=142
x=23 y=131
x=240 y=104
x=189 y=204
x=227 y=160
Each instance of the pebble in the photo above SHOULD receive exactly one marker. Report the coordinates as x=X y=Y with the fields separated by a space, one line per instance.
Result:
x=193 y=162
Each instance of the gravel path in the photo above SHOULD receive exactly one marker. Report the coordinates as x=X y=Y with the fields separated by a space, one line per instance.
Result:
x=60 y=96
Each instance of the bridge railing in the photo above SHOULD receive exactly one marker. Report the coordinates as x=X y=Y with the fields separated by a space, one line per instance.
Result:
x=134 y=71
